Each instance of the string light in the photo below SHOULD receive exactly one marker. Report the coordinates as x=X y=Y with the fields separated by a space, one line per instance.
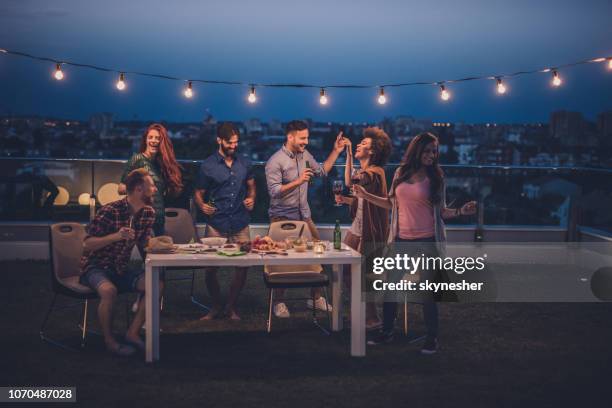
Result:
x=382 y=99
x=59 y=74
x=556 y=81
x=188 y=90
x=121 y=82
x=323 y=97
x=444 y=94
x=501 y=88
x=252 y=98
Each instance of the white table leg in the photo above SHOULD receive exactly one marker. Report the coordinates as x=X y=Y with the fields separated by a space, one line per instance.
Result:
x=152 y=312
x=337 y=276
x=358 y=333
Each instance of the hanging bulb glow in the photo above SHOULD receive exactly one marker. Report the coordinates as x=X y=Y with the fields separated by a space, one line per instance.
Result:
x=252 y=97
x=444 y=94
x=556 y=81
x=121 y=82
x=501 y=88
x=610 y=64
x=323 y=97
x=382 y=99
x=59 y=74
x=189 y=90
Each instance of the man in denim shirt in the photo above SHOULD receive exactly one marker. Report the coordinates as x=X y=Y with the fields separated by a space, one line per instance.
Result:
x=288 y=172
x=226 y=194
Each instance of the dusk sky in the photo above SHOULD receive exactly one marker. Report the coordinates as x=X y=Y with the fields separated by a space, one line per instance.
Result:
x=318 y=42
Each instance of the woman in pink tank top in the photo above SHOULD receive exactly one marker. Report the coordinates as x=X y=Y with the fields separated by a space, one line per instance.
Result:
x=417 y=203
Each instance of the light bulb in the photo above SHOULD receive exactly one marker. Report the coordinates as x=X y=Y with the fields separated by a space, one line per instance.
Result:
x=610 y=64
x=382 y=99
x=556 y=81
x=121 y=82
x=323 y=97
x=444 y=94
x=501 y=88
x=59 y=74
x=189 y=90
x=252 y=97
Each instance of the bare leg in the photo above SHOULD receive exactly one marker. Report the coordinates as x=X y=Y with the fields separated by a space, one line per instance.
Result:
x=108 y=293
x=238 y=282
x=133 y=331
x=212 y=283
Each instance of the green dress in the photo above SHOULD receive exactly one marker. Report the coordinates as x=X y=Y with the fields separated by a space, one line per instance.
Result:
x=137 y=161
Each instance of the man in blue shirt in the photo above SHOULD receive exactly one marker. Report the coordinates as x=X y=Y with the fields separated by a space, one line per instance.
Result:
x=226 y=194
x=288 y=172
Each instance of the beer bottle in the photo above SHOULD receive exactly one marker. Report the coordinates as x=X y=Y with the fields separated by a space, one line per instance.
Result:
x=337 y=236
x=308 y=167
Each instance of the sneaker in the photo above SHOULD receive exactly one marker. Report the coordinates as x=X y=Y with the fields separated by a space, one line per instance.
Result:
x=280 y=310
x=320 y=304
x=382 y=337
x=430 y=346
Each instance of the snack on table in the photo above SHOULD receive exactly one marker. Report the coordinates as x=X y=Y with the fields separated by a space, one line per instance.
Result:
x=266 y=244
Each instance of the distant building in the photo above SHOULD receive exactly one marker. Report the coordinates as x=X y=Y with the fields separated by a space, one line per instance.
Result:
x=604 y=128
x=101 y=124
x=571 y=129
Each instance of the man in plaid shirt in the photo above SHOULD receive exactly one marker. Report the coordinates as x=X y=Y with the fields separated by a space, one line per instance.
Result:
x=111 y=236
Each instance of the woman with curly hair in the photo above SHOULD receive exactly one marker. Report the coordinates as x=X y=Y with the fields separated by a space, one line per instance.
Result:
x=156 y=155
x=370 y=225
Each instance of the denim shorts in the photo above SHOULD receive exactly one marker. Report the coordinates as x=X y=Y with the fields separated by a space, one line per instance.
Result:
x=125 y=282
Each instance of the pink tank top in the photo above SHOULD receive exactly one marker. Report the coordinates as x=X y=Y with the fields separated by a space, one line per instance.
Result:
x=415 y=212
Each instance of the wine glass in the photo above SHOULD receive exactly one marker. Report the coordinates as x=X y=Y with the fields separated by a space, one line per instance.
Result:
x=338 y=187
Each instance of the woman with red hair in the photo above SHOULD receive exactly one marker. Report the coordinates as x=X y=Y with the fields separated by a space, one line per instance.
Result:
x=156 y=155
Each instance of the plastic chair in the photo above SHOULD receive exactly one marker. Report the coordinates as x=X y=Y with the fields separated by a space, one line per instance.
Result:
x=180 y=226
x=293 y=276
x=65 y=251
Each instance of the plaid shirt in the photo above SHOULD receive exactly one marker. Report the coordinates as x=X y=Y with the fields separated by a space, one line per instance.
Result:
x=109 y=220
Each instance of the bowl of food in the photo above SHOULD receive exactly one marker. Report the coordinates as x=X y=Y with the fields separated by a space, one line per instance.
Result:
x=213 y=241
x=300 y=245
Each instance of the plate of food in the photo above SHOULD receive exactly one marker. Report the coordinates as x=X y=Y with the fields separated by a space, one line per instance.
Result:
x=267 y=244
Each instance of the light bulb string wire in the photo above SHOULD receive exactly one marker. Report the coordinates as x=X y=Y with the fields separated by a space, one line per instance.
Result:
x=554 y=68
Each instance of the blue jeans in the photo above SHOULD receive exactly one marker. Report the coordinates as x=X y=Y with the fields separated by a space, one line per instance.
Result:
x=430 y=307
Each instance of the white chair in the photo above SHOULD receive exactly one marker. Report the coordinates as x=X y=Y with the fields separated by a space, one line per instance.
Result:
x=180 y=226
x=293 y=276
x=65 y=250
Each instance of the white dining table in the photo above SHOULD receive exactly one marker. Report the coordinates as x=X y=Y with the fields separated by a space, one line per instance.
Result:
x=346 y=256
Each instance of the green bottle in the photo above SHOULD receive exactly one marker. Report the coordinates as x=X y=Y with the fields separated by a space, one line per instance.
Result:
x=337 y=236
x=308 y=167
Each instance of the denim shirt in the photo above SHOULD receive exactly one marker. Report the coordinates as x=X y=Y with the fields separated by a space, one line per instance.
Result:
x=284 y=167
x=227 y=187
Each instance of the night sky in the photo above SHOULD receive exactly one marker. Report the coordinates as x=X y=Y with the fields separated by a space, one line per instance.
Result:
x=319 y=42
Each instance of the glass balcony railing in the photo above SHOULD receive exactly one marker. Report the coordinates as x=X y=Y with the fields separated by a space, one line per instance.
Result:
x=508 y=195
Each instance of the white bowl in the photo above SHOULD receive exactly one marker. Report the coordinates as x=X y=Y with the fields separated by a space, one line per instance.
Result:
x=213 y=241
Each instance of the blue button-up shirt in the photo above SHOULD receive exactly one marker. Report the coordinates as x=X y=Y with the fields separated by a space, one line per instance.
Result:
x=227 y=187
x=284 y=167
